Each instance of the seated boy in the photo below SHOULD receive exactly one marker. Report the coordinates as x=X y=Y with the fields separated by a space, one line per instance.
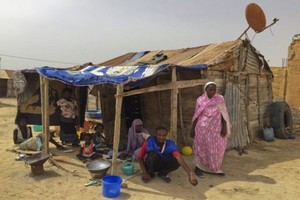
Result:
x=22 y=132
x=87 y=151
x=161 y=155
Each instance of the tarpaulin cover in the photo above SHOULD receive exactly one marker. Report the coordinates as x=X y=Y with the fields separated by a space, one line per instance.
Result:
x=94 y=75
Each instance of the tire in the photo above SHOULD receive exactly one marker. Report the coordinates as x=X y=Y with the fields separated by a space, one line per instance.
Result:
x=280 y=119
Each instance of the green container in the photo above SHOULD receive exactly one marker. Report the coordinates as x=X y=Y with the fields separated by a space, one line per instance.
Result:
x=128 y=169
x=37 y=128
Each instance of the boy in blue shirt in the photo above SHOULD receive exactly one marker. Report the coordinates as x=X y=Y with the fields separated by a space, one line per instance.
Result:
x=161 y=155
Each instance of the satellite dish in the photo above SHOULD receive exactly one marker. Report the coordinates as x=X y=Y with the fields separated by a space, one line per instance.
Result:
x=255 y=17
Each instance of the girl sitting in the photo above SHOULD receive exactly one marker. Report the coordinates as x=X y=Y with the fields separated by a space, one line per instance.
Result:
x=87 y=151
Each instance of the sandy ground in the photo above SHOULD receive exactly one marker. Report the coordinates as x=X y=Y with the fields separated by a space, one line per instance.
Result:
x=268 y=171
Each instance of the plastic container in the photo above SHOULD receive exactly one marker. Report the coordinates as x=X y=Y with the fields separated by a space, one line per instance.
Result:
x=37 y=128
x=268 y=134
x=94 y=114
x=128 y=169
x=111 y=186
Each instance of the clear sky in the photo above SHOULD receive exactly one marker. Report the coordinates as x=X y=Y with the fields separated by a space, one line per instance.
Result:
x=80 y=31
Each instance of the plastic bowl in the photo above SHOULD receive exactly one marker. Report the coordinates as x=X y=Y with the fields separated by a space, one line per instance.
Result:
x=98 y=168
x=37 y=128
x=94 y=114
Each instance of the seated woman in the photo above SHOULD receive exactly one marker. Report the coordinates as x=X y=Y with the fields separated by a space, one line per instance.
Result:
x=137 y=135
x=87 y=151
x=22 y=132
x=100 y=139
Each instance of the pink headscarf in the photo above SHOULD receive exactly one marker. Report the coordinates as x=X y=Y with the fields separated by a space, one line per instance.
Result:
x=132 y=135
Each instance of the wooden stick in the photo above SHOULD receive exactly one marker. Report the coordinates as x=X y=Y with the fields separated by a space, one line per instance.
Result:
x=46 y=117
x=167 y=86
x=174 y=104
x=55 y=163
x=119 y=99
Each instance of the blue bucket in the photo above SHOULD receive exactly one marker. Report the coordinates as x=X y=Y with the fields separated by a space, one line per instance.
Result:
x=111 y=186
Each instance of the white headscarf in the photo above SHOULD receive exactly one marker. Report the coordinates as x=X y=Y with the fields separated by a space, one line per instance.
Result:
x=209 y=83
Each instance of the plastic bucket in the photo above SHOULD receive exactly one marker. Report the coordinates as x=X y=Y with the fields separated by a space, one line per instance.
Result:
x=111 y=186
x=268 y=134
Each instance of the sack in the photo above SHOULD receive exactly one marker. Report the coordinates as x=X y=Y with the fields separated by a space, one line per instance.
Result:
x=34 y=143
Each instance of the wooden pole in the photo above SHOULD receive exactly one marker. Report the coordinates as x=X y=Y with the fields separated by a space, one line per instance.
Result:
x=174 y=104
x=119 y=99
x=44 y=88
x=167 y=86
x=159 y=104
x=46 y=118
x=98 y=99
x=181 y=115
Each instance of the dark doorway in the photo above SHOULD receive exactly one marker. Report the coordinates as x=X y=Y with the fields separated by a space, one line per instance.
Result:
x=132 y=109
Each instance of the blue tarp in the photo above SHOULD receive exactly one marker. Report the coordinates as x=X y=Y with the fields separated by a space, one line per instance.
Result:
x=94 y=75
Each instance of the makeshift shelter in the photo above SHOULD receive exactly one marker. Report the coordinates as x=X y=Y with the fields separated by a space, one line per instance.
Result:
x=27 y=84
x=6 y=83
x=164 y=85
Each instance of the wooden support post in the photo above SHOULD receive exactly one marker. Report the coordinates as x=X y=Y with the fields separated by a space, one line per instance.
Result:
x=98 y=99
x=182 y=128
x=44 y=87
x=159 y=103
x=173 y=120
x=117 y=129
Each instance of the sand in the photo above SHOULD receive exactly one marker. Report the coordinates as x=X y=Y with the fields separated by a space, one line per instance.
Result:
x=268 y=171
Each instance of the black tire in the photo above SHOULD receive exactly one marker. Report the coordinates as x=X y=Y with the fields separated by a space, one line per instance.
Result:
x=280 y=118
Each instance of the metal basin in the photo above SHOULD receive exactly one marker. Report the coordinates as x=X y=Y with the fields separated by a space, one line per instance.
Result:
x=98 y=168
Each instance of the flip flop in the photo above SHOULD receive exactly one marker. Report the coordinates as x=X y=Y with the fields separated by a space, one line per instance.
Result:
x=145 y=181
x=68 y=151
x=91 y=182
x=166 y=179
x=199 y=172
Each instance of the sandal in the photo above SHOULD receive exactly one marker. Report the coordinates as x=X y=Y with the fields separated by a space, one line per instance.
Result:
x=91 y=182
x=199 y=172
x=145 y=180
x=166 y=179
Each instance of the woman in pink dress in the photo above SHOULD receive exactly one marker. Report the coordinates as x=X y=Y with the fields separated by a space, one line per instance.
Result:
x=210 y=130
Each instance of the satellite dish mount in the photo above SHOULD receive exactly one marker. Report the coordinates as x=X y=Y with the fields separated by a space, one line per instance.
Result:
x=256 y=19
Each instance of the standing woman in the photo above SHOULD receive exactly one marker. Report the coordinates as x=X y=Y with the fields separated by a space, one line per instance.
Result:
x=68 y=107
x=210 y=130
